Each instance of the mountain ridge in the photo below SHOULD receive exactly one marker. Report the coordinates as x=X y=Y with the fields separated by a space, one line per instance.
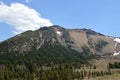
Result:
x=72 y=38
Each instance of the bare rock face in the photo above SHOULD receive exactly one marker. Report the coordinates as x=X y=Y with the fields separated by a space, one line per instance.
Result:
x=71 y=38
x=97 y=43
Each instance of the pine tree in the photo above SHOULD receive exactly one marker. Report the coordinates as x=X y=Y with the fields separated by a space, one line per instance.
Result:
x=94 y=66
x=1 y=75
x=43 y=77
x=6 y=75
x=101 y=73
x=89 y=74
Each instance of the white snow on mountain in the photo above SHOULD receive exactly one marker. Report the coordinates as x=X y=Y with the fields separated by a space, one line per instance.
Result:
x=116 y=53
x=117 y=40
x=59 y=33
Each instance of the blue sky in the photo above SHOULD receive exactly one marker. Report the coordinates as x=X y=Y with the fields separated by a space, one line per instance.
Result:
x=100 y=15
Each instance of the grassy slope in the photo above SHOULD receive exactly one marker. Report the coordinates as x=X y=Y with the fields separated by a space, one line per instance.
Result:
x=115 y=76
x=102 y=65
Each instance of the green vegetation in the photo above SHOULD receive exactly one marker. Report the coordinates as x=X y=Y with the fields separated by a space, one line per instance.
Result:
x=115 y=65
x=54 y=72
x=46 y=55
x=50 y=62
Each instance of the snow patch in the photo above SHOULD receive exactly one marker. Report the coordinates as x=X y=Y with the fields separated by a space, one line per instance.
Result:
x=31 y=39
x=116 y=44
x=19 y=35
x=117 y=40
x=116 y=53
x=59 y=33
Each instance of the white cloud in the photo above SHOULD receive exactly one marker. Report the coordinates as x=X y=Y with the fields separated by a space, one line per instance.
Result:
x=21 y=17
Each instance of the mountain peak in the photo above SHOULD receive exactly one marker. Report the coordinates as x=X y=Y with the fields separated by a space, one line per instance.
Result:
x=56 y=26
x=51 y=27
x=72 y=38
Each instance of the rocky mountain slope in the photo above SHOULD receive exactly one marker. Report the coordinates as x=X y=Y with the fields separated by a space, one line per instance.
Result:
x=74 y=39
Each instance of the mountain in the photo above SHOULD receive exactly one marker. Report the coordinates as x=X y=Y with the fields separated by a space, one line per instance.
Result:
x=56 y=44
x=46 y=46
x=56 y=53
x=71 y=38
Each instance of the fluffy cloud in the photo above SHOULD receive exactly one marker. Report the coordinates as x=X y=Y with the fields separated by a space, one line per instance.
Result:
x=21 y=17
